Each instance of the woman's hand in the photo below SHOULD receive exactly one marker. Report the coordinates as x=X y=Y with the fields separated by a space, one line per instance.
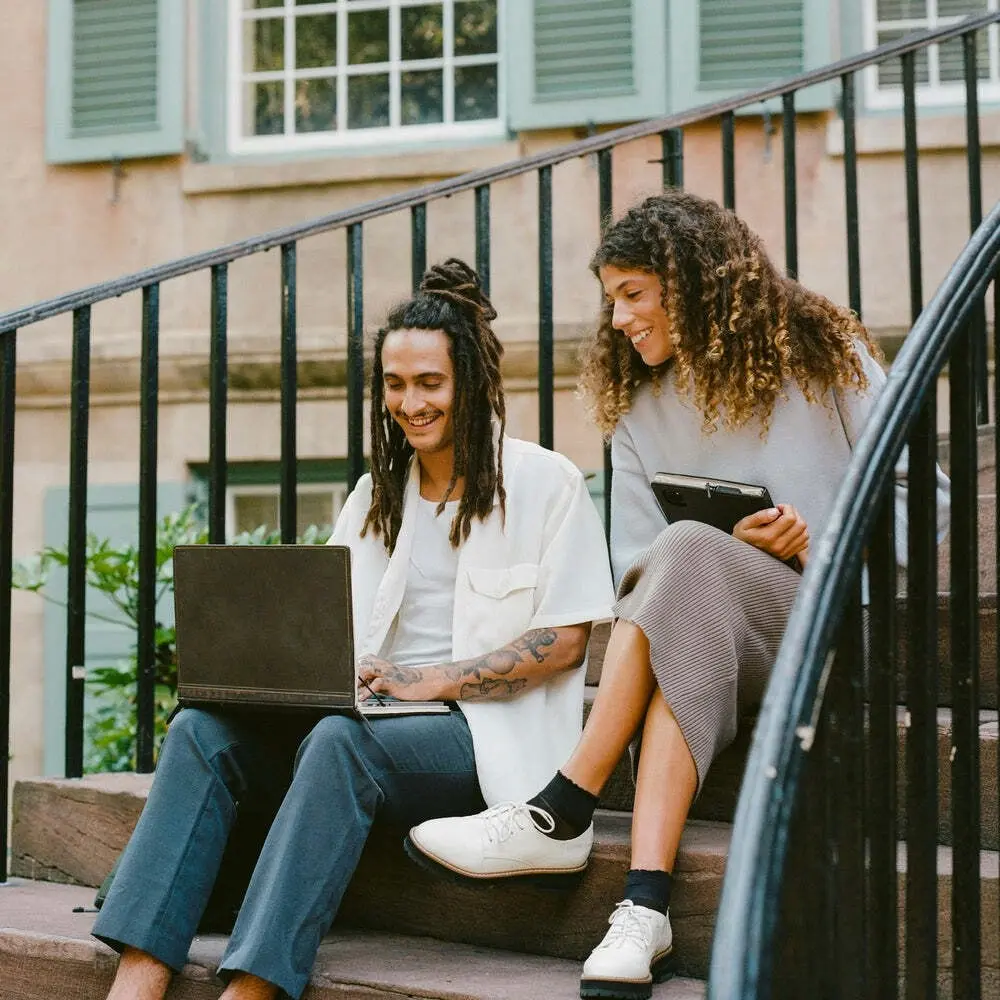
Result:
x=780 y=531
x=405 y=683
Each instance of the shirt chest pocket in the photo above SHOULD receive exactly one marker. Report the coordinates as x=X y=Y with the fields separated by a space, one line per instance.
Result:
x=501 y=602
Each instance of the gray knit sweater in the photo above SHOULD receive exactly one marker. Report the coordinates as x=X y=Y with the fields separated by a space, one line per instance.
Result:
x=801 y=461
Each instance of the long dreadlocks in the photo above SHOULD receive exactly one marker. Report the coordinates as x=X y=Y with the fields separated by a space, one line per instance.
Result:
x=450 y=299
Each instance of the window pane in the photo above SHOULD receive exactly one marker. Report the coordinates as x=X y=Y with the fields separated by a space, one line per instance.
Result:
x=313 y=508
x=475 y=27
x=302 y=3
x=422 y=32
x=258 y=4
x=265 y=108
x=422 y=97
x=890 y=73
x=316 y=105
x=368 y=101
x=951 y=58
x=475 y=93
x=960 y=8
x=897 y=10
x=316 y=41
x=253 y=510
x=368 y=37
x=268 y=44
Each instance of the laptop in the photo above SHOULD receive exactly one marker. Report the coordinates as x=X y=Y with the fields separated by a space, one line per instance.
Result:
x=271 y=626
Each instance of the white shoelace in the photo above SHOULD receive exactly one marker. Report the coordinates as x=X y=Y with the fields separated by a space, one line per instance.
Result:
x=628 y=927
x=508 y=818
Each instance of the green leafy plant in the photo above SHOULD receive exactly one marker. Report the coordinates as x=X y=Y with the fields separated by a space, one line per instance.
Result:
x=113 y=570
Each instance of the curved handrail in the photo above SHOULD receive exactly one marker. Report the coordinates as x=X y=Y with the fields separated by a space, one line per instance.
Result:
x=467 y=182
x=749 y=904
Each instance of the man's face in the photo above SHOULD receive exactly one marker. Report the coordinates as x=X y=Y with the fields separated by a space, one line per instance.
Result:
x=418 y=386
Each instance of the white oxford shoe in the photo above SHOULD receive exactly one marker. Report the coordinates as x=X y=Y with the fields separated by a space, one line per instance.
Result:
x=507 y=841
x=636 y=952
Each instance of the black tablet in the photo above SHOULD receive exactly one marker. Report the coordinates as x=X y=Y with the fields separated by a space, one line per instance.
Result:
x=718 y=502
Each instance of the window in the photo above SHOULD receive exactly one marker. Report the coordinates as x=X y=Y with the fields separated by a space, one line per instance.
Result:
x=940 y=69
x=250 y=507
x=330 y=73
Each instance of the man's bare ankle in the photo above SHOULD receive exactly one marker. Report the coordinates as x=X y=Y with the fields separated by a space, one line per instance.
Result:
x=140 y=977
x=243 y=986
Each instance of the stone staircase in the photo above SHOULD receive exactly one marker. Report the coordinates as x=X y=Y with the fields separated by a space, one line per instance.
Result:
x=402 y=933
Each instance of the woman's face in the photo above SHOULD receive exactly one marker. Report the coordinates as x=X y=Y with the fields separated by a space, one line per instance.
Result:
x=636 y=298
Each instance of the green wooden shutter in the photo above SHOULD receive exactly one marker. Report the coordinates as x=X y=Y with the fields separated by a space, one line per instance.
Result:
x=571 y=62
x=722 y=48
x=115 y=79
x=112 y=513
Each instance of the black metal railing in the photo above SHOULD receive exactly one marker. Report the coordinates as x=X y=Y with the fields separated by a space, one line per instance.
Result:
x=215 y=264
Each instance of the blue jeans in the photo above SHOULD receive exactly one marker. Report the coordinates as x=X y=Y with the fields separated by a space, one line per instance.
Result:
x=325 y=791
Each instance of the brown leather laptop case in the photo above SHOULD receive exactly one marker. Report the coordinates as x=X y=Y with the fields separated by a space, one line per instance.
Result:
x=265 y=625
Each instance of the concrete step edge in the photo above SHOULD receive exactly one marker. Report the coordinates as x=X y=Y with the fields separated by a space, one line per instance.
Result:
x=352 y=965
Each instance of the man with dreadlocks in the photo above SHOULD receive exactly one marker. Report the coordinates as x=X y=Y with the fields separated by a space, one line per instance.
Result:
x=478 y=564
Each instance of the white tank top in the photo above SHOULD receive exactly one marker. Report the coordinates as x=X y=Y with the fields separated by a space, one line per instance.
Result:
x=421 y=633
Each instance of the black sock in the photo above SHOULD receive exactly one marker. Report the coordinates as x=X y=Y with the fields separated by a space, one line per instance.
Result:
x=649 y=888
x=569 y=805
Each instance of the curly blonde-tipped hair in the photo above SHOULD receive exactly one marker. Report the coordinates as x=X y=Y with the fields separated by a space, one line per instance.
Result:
x=740 y=329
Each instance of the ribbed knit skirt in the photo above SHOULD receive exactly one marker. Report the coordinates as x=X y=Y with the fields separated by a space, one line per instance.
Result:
x=714 y=610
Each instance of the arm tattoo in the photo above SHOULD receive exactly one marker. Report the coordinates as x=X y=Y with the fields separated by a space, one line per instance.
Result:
x=532 y=646
x=489 y=688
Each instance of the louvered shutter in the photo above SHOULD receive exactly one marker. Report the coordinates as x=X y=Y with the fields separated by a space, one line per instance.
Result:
x=115 y=79
x=572 y=62
x=723 y=48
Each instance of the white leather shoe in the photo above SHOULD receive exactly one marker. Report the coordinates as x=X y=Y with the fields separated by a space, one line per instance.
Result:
x=636 y=952
x=506 y=841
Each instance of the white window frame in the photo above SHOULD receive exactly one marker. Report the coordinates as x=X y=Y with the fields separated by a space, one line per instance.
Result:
x=336 y=491
x=344 y=138
x=933 y=94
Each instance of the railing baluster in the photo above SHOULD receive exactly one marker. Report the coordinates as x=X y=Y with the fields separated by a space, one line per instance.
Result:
x=288 y=513
x=965 y=776
x=851 y=194
x=605 y=195
x=76 y=544
x=791 y=186
x=883 y=730
x=355 y=355
x=149 y=392
x=483 y=235
x=672 y=144
x=217 y=405
x=8 y=379
x=973 y=152
x=845 y=697
x=418 y=244
x=912 y=184
x=728 y=124
x=921 y=690
x=546 y=379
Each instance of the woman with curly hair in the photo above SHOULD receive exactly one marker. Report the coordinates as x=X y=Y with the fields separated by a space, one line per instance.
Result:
x=709 y=362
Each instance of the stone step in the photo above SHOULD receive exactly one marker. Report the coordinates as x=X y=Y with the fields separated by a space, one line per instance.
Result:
x=987 y=647
x=46 y=951
x=71 y=830
x=717 y=800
